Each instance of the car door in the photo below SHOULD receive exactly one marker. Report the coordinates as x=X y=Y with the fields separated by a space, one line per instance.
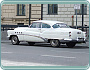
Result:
x=45 y=30
x=32 y=34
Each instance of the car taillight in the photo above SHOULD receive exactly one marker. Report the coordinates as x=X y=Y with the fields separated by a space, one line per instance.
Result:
x=86 y=34
x=69 y=34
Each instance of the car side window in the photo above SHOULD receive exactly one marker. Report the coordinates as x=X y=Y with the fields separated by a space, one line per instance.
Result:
x=45 y=25
x=38 y=25
x=55 y=26
x=35 y=25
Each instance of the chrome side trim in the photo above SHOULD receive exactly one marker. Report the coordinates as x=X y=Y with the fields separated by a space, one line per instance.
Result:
x=45 y=39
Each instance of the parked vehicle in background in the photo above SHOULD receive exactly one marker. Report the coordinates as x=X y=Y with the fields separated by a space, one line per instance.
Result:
x=53 y=32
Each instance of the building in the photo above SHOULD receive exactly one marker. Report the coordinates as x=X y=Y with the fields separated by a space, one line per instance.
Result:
x=65 y=13
x=18 y=14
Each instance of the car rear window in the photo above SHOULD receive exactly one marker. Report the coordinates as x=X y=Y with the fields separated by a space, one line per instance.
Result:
x=60 y=25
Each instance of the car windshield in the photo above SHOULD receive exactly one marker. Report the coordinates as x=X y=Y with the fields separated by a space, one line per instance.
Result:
x=60 y=25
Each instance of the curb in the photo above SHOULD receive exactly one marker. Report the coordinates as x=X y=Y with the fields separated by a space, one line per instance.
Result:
x=5 y=41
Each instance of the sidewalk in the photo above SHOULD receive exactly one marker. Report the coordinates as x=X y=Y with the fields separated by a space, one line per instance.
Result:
x=5 y=41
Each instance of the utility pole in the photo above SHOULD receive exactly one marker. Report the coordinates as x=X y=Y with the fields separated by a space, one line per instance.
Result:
x=29 y=13
x=82 y=16
x=41 y=11
x=76 y=18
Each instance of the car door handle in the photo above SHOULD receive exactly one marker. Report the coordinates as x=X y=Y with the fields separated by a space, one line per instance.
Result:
x=39 y=29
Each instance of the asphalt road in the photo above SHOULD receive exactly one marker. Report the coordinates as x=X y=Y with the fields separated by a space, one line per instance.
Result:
x=43 y=55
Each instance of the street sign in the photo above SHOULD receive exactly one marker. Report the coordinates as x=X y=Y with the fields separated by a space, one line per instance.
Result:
x=76 y=6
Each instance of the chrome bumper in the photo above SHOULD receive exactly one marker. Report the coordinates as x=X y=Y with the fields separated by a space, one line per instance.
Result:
x=79 y=40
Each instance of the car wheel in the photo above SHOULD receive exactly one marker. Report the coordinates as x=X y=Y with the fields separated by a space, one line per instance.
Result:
x=71 y=44
x=55 y=43
x=31 y=43
x=14 y=40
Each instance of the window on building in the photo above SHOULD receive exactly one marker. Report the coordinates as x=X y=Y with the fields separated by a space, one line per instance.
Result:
x=21 y=9
x=52 y=8
x=79 y=11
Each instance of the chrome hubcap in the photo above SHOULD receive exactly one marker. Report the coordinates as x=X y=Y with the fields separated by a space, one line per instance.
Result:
x=54 y=42
x=14 y=40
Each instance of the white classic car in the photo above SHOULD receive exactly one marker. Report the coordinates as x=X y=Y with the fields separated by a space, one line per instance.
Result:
x=53 y=32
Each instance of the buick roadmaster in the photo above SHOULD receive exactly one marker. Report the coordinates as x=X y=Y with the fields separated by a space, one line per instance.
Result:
x=53 y=32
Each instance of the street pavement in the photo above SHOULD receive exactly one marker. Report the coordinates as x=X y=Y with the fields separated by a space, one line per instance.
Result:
x=42 y=54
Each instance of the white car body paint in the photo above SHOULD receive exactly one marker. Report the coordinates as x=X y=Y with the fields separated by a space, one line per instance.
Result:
x=43 y=34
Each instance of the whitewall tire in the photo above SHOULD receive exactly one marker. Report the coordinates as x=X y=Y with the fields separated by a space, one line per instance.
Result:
x=14 y=40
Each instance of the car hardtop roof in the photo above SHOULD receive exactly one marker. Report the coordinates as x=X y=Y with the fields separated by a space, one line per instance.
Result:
x=48 y=22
